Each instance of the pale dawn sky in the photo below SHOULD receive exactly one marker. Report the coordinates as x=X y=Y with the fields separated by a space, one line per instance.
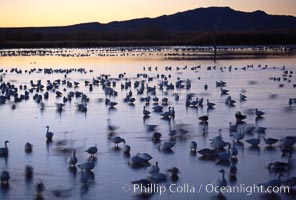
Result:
x=24 y=13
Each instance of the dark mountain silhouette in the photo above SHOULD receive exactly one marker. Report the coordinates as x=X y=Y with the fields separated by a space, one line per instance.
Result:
x=189 y=26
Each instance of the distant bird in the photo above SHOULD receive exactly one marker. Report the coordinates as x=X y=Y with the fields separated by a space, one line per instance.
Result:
x=111 y=127
x=4 y=150
x=39 y=187
x=232 y=170
x=92 y=150
x=166 y=145
x=153 y=168
x=29 y=172
x=137 y=160
x=156 y=136
x=159 y=177
x=193 y=146
x=126 y=149
x=239 y=116
x=146 y=113
x=28 y=147
x=222 y=182
x=72 y=159
x=145 y=156
x=4 y=178
x=254 y=141
x=49 y=135
x=87 y=166
x=259 y=113
x=270 y=141
x=116 y=140
x=203 y=119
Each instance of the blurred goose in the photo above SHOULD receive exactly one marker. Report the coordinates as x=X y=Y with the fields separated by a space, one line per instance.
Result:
x=242 y=97
x=222 y=182
x=225 y=156
x=29 y=172
x=153 y=168
x=49 y=135
x=259 y=113
x=116 y=140
x=4 y=150
x=72 y=159
x=39 y=187
x=254 y=141
x=146 y=113
x=232 y=170
x=92 y=150
x=156 y=136
x=203 y=119
x=270 y=141
x=238 y=136
x=4 y=177
x=234 y=150
x=126 y=149
x=193 y=146
x=159 y=177
x=87 y=166
x=166 y=145
x=111 y=127
x=28 y=147
x=209 y=104
x=208 y=153
x=239 y=116
x=137 y=160
x=145 y=156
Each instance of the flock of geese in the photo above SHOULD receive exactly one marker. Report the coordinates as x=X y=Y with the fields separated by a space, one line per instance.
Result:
x=222 y=152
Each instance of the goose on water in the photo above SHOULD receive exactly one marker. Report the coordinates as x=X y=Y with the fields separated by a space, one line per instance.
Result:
x=166 y=145
x=156 y=136
x=4 y=150
x=126 y=149
x=111 y=127
x=159 y=177
x=87 y=166
x=193 y=146
x=146 y=113
x=153 y=168
x=39 y=187
x=259 y=113
x=72 y=159
x=137 y=160
x=145 y=156
x=222 y=182
x=49 y=134
x=270 y=141
x=4 y=178
x=92 y=150
x=116 y=140
x=254 y=141
x=28 y=147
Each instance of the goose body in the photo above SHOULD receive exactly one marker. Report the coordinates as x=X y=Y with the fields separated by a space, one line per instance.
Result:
x=49 y=134
x=4 y=178
x=193 y=146
x=270 y=141
x=116 y=140
x=87 y=166
x=28 y=147
x=254 y=141
x=153 y=168
x=72 y=159
x=166 y=145
x=4 y=150
x=92 y=150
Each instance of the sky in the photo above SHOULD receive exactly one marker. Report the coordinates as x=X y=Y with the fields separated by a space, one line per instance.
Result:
x=30 y=13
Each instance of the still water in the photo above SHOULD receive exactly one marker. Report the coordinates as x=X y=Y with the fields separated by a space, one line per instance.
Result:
x=27 y=124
